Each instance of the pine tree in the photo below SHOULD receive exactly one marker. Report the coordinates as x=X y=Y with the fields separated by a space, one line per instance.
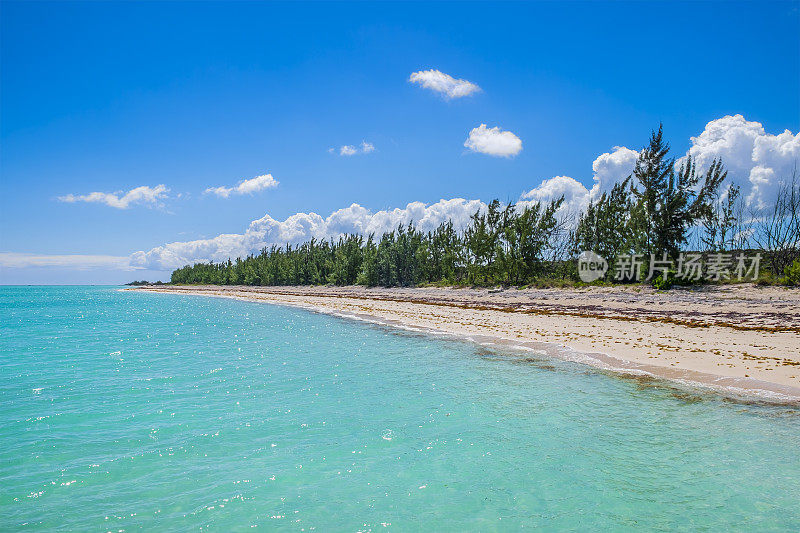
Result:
x=669 y=203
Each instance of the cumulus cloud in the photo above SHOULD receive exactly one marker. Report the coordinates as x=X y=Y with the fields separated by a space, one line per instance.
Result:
x=151 y=196
x=609 y=168
x=253 y=185
x=301 y=227
x=612 y=167
x=78 y=262
x=493 y=141
x=576 y=195
x=757 y=161
x=444 y=84
x=349 y=149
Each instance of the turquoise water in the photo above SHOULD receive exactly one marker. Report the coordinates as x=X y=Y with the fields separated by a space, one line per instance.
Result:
x=127 y=411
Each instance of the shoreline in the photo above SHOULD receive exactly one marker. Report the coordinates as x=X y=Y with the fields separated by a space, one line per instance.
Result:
x=742 y=341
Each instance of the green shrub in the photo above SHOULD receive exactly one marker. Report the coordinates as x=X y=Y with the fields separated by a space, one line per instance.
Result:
x=792 y=273
x=662 y=282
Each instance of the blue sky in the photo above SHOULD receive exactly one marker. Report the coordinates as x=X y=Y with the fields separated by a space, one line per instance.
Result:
x=106 y=97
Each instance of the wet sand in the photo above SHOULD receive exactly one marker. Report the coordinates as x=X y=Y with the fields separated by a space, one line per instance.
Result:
x=741 y=338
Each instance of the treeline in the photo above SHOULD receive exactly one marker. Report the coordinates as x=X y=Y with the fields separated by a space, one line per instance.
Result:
x=658 y=209
x=503 y=245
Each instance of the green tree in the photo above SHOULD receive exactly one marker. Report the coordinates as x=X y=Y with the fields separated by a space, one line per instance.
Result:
x=669 y=203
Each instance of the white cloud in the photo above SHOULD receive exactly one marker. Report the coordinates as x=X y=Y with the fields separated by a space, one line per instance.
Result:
x=301 y=227
x=757 y=161
x=77 y=262
x=493 y=141
x=445 y=84
x=576 y=195
x=253 y=185
x=611 y=168
x=139 y=195
x=349 y=149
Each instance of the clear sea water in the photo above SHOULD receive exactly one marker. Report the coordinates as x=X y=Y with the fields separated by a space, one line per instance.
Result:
x=134 y=411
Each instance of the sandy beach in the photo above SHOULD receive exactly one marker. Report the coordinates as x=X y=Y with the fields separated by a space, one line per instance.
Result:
x=743 y=339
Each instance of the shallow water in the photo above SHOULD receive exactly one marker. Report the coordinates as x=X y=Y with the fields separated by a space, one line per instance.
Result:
x=123 y=410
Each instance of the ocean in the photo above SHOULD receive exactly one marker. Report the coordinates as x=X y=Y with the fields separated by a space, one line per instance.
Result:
x=127 y=411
